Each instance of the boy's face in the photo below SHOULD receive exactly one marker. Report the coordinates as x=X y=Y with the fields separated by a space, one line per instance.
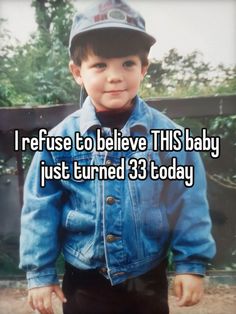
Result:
x=111 y=83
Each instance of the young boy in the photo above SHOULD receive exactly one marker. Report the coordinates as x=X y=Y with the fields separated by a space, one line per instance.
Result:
x=114 y=234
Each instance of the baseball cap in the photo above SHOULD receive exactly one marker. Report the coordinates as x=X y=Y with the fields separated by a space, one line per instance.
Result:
x=115 y=14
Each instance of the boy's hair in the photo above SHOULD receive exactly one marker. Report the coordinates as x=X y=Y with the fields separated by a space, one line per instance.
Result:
x=110 y=43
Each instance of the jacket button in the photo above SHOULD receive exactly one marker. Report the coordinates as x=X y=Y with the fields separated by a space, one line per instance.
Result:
x=110 y=200
x=103 y=270
x=110 y=238
x=108 y=162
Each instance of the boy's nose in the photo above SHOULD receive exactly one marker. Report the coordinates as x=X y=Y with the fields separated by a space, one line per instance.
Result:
x=114 y=76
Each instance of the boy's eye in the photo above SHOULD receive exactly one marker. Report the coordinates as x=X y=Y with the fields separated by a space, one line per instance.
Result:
x=100 y=65
x=129 y=63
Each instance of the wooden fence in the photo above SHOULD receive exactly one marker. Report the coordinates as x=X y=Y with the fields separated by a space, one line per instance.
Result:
x=45 y=116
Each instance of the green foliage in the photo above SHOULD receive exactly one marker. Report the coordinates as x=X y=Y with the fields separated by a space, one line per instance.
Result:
x=183 y=76
x=60 y=264
x=224 y=167
x=37 y=72
x=54 y=20
x=225 y=128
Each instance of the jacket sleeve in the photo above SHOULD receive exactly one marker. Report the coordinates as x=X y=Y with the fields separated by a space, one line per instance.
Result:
x=187 y=208
x=40 y=221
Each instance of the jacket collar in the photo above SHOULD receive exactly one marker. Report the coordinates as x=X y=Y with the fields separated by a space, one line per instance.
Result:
x=139 y=119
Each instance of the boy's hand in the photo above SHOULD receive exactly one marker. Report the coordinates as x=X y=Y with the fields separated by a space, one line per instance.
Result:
x=189 y=289
x=41 y=298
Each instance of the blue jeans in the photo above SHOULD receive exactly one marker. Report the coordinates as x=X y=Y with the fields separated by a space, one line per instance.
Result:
x=88 y=292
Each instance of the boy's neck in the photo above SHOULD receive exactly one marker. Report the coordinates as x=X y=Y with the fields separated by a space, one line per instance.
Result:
x=114 y=118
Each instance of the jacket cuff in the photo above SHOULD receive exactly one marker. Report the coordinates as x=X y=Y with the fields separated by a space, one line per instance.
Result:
x=190 y=268
x=43 y=278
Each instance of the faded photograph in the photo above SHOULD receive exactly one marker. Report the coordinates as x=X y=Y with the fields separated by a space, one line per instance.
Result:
x=117 y=157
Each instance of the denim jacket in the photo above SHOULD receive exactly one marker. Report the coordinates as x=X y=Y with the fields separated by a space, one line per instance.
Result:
x=123 y=227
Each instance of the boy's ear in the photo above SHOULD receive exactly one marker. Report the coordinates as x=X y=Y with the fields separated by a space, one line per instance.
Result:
x=144 y=70
x=75 y=71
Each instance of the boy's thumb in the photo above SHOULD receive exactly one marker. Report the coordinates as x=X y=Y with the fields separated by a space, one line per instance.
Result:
x=178 y=290
x=60 y=294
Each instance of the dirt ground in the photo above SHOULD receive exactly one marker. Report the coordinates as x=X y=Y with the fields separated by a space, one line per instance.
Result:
x=220 y=299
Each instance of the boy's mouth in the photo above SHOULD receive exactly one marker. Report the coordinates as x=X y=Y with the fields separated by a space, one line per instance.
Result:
x=117 y=91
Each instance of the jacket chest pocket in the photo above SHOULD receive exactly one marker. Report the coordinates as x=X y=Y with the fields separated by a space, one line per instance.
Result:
x=146 y=196
x=81 y=189
x=139 y=171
